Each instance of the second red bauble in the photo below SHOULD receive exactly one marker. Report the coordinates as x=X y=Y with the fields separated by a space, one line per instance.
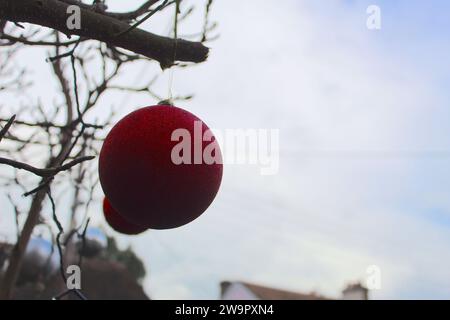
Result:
x=139 y=177
x=117 y=222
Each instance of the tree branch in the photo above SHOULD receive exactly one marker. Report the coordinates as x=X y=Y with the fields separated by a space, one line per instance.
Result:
x=47 y=172
x=24 y=40
x=125 y=16
x=94 y=25
x=5 y=129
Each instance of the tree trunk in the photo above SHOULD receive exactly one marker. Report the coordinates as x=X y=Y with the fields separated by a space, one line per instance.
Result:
x=16 y=258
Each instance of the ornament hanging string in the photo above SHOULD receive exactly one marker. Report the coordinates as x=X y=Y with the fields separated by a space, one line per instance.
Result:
x=175 y=47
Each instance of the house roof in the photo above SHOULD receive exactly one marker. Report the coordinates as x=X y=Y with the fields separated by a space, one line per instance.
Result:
x=267 y=293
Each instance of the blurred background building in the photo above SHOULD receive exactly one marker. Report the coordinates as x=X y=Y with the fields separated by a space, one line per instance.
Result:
x=239 y=290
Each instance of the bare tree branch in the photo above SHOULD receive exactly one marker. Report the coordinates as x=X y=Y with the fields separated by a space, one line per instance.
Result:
x=5 y=129
x=25 y=41
x=100 y=27
x=47 y=172
x=125 y=16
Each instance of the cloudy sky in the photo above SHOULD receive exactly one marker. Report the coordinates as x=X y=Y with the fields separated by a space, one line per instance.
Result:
x=364 y=173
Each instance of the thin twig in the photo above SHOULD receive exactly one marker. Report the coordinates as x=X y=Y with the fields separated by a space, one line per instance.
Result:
x=5 y=129
x=46 y=172
x=147 y=16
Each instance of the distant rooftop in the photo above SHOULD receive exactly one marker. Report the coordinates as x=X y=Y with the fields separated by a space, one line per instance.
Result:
x=267 y=293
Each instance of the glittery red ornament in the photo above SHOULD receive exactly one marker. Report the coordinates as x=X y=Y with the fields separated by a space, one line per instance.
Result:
x=140 y=177
x=117 y=222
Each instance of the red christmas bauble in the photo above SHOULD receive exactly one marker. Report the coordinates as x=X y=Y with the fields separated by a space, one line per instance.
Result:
x=117 y=222
x=142 y=180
